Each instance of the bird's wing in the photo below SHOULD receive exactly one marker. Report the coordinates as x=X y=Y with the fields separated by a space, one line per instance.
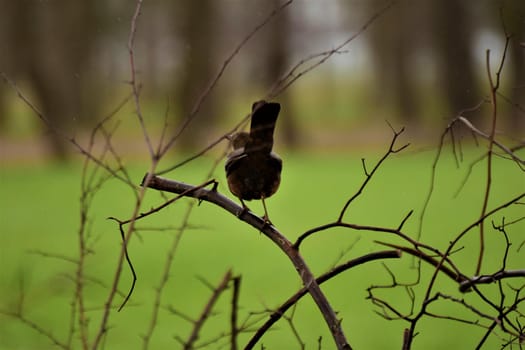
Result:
x=277 y=160
x=233 y=159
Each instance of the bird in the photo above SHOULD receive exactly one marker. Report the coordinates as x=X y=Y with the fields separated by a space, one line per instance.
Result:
x=253 y=171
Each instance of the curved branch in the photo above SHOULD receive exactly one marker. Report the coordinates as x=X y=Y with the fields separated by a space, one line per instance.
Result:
x=279 y=312
x=212 y=196
x=455 y=276
x=395 y=231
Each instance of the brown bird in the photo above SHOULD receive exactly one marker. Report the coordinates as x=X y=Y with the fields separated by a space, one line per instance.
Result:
x=252 y=169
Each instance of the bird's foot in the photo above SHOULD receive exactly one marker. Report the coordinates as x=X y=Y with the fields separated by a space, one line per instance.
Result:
x=243 y=211
x=267 y=221
x=266 y=218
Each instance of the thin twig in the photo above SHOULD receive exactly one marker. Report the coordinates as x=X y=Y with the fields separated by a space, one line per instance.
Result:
x=169 y=258
x=311 y=62
x=433 y=171
x=464 y=232
x=133 y=73
x=369 y=175
x=189 y=344
x=39 y=329
x=510 y=151
x=493 y=89
x=71 y=140
x=102 y=328
x=234 y=329
x=457 y=277
x=163 y=205
x=488 y=279
x=396 y=231
x=218 y=76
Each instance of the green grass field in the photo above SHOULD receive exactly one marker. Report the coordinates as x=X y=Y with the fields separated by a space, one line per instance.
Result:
x=39 y=212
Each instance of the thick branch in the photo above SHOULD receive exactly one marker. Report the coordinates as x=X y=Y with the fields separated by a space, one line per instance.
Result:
x=279 y=312
x=269 y=231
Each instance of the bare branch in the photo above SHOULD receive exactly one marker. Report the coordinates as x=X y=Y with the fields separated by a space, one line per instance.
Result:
x=470 y=227
x=280 y=311
x=428 y=259
x=189 y=344
x=434 y=167
x=271 y=232
x=217 y=77
x=169 y=259
x=71 y=140
x=488 y=279
x=493 y=89
x=390 y=151
x=235 y=311
x=134 y=85
x=313 y=61
x=36 y=327
x=510 y=151
x=53 y=255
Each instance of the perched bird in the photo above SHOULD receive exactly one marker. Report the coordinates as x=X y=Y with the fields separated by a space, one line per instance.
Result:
x=252 y=169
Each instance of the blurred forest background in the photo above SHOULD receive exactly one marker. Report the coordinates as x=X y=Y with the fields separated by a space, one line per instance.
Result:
x=418 y=65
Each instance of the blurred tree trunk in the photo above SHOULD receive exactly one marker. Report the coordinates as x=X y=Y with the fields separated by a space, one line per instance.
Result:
x=15 y=56
x=3 y=109
x=393 y=44
x=517 y=116
x=276 y=52
x=5 y=61
x=514 y=19
x=453 y=37
x=49 y=45
x=198 y=34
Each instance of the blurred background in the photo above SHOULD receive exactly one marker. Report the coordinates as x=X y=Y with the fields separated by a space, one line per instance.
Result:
x=417 y=65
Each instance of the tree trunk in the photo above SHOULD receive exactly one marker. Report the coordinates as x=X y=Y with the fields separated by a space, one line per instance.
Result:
x=453 y=38
x=198 y=67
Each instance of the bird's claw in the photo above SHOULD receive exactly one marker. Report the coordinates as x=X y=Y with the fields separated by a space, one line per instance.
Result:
x=242 y=212
x=267 y=221
x=244 y=209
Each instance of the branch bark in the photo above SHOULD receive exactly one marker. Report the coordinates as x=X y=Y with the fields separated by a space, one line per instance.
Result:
x=287 y=247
